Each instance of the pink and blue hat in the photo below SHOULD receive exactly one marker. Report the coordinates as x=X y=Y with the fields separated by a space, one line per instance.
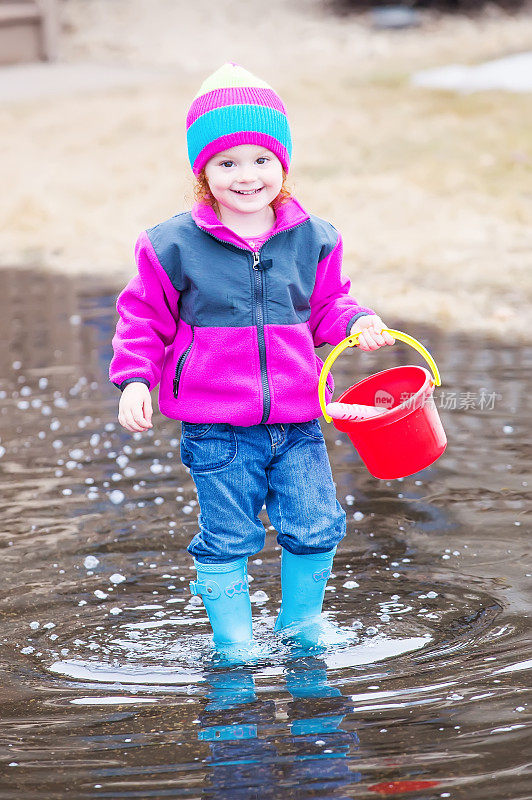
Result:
x=235 y=107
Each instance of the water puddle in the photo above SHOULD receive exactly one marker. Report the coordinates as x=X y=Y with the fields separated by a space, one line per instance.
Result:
x=111 y=688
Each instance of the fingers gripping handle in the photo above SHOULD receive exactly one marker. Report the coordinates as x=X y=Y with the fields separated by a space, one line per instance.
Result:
x=351 y=341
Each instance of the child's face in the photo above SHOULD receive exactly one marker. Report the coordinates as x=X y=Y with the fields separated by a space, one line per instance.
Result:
x=245 y=178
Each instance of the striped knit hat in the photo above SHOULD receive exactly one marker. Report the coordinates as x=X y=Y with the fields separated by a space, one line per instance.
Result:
x=234 y=107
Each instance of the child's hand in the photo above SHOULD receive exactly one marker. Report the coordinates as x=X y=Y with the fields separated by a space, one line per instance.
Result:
x=135 y=409
x=372 y=336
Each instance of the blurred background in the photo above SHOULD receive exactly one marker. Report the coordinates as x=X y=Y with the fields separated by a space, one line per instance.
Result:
x=411 y=128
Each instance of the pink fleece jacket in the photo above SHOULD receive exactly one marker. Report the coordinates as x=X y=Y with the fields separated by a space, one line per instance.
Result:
x=228 y=326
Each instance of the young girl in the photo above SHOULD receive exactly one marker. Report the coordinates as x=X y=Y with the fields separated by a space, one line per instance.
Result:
x=229 y=302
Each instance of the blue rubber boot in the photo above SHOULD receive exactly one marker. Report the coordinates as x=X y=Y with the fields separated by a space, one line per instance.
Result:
x=303 y=581
x=225 y=594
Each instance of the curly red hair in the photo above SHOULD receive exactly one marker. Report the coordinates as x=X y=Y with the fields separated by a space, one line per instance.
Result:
x=202 y=192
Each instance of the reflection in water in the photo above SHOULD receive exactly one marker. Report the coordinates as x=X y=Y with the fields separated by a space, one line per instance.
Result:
x=314 y=749
x=239 y=759
x=111 y=689
x=324 y=754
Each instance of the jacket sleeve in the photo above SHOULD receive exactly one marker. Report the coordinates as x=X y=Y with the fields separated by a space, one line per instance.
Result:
x=332 y=309
x=148 y=314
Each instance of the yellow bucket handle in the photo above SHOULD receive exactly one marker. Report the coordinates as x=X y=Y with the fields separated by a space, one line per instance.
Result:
x=351 y=341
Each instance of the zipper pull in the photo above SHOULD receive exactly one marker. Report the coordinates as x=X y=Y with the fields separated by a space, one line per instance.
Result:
x=256 y=259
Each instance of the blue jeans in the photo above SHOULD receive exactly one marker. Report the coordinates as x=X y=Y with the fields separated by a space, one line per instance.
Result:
x=237 y=469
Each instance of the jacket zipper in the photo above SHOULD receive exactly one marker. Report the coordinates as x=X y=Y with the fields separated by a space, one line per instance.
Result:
x=180 y=364
x=258 y=291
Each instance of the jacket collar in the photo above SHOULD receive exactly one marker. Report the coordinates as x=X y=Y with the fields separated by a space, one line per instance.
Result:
x=287 y=216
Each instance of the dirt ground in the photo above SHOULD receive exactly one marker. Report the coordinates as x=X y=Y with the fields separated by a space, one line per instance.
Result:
x=431 y=190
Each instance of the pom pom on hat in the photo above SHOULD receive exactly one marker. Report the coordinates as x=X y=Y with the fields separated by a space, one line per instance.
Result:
x=235 y=107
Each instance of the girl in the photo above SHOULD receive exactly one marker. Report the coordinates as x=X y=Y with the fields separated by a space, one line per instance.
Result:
x=229 y=302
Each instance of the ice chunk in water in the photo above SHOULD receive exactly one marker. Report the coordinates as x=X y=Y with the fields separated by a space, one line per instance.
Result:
x=116 y=497
x=195 y=601
x=259 y=597
x=91 y=562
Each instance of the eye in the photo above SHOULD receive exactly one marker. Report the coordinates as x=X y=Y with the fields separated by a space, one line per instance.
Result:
x=223 y=163
x=262 y=158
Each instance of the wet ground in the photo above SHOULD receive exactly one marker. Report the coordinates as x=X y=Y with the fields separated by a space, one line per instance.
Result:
x=110 y=688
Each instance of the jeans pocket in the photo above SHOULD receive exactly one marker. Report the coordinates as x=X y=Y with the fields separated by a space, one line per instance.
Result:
x=206 y=448
x=311 y=429
x=195 y=430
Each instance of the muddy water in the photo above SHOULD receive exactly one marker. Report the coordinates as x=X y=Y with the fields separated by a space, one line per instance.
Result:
x=109 y=685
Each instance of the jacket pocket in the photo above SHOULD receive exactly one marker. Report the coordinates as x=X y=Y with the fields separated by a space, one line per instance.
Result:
x=328 y=381
x=180 y=364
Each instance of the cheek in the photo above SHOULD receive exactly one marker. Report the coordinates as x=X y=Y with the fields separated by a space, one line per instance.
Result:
x=217 y=187
x=217 y=182
x=276 y=179
x=223 y=184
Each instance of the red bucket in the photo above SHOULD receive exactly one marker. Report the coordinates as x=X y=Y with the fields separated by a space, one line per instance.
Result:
x=409 y=435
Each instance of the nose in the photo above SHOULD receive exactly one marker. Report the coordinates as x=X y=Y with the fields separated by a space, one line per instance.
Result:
x=246 y=174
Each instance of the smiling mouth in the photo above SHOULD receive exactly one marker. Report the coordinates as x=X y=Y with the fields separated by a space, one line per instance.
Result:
x=252 y=191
